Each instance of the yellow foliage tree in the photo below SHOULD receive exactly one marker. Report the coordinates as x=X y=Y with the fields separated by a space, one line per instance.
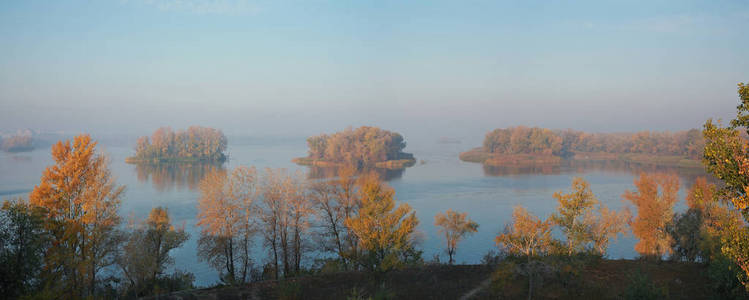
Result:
x=384 y=231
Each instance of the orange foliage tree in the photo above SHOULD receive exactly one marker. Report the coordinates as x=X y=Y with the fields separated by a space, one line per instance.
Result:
x=81 y=201
x=454 y=226
x=225 y=215
x=654 y=199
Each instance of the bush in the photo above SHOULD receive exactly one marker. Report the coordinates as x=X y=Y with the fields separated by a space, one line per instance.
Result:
x=642 y=287
x=289 y=290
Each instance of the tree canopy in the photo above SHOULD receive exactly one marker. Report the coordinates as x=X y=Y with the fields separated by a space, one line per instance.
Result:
x=194 y=144
x=361 y=147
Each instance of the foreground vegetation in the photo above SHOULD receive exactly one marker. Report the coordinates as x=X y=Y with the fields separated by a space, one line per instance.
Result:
x=191 y=145
x=363 y=147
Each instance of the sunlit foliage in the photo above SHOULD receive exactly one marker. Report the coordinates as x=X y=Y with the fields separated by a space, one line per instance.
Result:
x=654 y=198
x=454 y=226
x=81 y=201
x=385 y=232
x=360 y=147
x=225 y=215
x=526 y=235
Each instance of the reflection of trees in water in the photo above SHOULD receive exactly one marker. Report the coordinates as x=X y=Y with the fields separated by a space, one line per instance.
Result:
x=166 y=176
x=582 y=166
x=316 y=172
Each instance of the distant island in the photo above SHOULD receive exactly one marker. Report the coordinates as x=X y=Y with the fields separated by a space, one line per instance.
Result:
x=523 y=145
x=363 y=147
x=17 y=143
x=196 y=144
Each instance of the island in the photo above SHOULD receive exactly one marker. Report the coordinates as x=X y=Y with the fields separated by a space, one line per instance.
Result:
x=364 y=147
x=17 y=143
x=524 y=145
x=196 y=144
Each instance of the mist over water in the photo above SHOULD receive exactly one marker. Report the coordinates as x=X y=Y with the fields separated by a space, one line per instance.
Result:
x=442 y=181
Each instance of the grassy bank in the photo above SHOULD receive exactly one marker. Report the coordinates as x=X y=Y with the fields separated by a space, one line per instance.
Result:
x=603 y=279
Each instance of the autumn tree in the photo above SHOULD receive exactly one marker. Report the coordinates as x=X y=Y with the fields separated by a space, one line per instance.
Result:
x=584 y=228
x=334 y=201
x=285 y=217
x=81 y=201
x=454 y=226
x=526 y=235
x=529 y=236
x=654 y=199
x=362 y=147
x=571 y=214
x=145 y=254
x=226 y=212
x=726 y=156
x=23 y=242
x=385 y=232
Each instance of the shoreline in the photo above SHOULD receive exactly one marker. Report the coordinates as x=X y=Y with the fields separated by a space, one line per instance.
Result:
x=388 y=164
x=477 y=155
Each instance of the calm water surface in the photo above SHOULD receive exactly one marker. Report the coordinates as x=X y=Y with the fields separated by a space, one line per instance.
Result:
x=441 y=182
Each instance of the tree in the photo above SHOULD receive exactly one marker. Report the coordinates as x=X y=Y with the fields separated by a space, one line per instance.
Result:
x=23 y=242
x=726 y=156
x=606 y=226
x=81 y=201
x=145 y=254
x=334 y=201
x=225 y=214
x=654 y=199
x=571 y=215
x=455 y=226
x=526 y=235
x=385 y=232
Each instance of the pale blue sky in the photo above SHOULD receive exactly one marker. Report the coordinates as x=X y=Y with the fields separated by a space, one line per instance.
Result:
x=453 y=68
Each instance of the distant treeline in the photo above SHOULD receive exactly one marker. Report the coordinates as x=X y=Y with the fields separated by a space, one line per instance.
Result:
x=194 y=144
x=361 y=147
x=525 y=140
x=17 y=143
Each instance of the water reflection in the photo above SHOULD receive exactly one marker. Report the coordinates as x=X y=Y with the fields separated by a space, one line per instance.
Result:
x=169 y=176
x=581 y=166
x=315 y=172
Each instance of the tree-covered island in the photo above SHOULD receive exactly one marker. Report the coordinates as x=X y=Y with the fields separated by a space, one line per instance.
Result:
x=363 y=147
x=196 y=144
x=518 y=145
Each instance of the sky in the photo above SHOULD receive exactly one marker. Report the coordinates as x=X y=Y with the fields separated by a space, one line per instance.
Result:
x=428 y=68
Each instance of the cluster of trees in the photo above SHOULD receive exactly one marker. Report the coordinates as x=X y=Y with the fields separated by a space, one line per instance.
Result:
x=61 y=240
x=353 y=218
x=361 y=147
x=17 y=143
x=525 y=140
x=194 y=144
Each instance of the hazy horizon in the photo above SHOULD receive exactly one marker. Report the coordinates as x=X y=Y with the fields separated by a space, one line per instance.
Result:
x=255 y=68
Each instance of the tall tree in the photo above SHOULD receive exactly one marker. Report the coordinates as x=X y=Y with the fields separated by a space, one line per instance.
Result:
x=81 y=199
x=385 y=232
x=526 y=235
x=454 y=226
x=226 y=214
x=334 y=201
x=726 y=156
x=654 y=199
